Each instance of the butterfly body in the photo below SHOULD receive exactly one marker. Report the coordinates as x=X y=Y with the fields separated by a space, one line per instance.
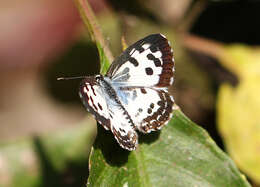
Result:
x=133 y=95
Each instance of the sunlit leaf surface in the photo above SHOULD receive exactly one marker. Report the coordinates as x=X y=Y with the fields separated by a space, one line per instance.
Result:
x=181 y=154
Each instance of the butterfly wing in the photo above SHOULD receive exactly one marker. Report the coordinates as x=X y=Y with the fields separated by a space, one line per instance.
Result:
x=148 y=62
x=93 y=99
x=149 y=108
x=140 y=77
x=123 y=129
x=108 y=113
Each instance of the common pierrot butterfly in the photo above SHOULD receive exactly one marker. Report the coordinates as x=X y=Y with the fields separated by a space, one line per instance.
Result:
x=133 y=95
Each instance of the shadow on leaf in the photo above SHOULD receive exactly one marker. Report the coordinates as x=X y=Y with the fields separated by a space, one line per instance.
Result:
x=113 y=153
x=149 y=138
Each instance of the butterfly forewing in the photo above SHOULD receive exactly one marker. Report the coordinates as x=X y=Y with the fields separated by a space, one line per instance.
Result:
x=93 y=99
x=148 y=62
x=108 y=113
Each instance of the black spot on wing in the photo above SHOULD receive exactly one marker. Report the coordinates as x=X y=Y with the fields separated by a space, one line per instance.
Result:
x=86 y=99
x=133 y=61
x=139 y=48
x=160 y=103
x=149 y=71
x=158 y=118
x=93 y=90
x=91 y=99
x=100 y=107
x=95 y=107
x=152 y=40
x=122 y=130
x=156 y=61
x=143 y=91
x=150 y=56
x=86 y=96
x=128 y=141
x=154 y=48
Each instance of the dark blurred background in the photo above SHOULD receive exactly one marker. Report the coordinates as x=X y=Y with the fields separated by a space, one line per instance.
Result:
x=41 y=41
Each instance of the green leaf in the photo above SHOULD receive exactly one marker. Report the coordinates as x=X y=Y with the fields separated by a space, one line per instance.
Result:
x=181 y=154
x=104 y=62
x=42 y=161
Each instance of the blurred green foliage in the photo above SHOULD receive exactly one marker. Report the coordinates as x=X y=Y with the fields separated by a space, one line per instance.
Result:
x=56 y=159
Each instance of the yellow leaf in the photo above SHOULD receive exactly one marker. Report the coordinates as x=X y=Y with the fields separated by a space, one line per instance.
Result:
x=239 y=108
x=242 y=60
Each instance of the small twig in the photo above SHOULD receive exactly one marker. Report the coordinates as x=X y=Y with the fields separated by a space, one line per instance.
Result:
x=93 y=26
x=192 y=15
x=202 y=45
x=123 y=42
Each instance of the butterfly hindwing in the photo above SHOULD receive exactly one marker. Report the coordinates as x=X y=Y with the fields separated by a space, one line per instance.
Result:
x=148 y=62
x=123 y=128
x=149 y=108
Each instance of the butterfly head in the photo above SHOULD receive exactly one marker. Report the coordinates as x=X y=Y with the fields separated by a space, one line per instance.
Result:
x=99 y=78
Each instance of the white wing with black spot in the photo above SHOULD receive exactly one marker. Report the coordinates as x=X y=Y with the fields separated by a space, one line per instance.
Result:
x=150 y=109
x=109 y=114
x=93 y=99
x=123 y=129
x=148 y=62
x=134 y=93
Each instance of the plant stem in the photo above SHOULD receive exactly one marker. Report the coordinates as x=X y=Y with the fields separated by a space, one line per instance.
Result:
x=90 y=21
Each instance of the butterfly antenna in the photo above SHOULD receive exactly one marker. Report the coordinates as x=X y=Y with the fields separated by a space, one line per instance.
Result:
x=70 y=78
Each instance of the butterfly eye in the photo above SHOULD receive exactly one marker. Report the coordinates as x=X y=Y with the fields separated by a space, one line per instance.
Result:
x=98 y=78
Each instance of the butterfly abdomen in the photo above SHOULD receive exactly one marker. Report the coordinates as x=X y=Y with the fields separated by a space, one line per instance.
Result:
x=114 y=99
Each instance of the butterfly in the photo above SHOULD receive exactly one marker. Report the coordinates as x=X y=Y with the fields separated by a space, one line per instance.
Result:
x=133 y=95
